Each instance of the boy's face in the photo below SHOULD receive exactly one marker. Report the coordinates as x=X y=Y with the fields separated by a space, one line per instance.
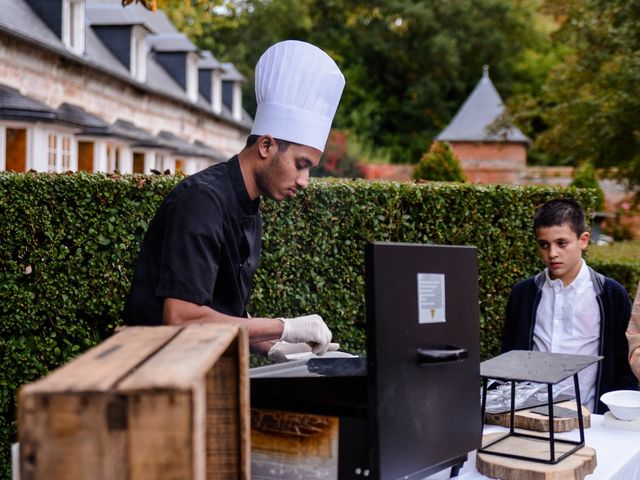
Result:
x=561 y=249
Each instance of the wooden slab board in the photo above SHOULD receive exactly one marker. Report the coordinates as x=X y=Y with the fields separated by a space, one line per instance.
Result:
x=574 y=467
x=529 y=420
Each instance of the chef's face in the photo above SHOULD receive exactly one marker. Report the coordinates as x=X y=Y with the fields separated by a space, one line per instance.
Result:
x=286 y=171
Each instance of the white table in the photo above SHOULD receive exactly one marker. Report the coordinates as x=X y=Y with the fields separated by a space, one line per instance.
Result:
x=617 y=453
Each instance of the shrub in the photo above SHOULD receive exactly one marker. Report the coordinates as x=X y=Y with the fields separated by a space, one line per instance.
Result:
x=620 y=261
x=439 y=164
x=69 y=243
x=585 y=177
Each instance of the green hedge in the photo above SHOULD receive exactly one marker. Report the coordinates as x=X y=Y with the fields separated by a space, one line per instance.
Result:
x=625 y=272
x=69 y=243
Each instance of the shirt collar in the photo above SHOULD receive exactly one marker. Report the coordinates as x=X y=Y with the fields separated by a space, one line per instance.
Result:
x=582 y=279
x=250 y=207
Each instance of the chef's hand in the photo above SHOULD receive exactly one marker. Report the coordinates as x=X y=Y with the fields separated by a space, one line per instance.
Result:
x=309 y=329
x=278 y=353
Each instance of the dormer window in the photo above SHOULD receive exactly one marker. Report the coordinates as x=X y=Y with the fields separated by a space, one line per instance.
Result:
x=73 y=25
x=179 y=58
x=138 y=60
x=210 y=80
x=232 y=81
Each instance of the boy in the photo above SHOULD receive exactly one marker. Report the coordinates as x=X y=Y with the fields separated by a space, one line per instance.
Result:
x=570 y=308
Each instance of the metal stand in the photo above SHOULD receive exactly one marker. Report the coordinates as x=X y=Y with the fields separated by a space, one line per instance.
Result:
x=551 y=438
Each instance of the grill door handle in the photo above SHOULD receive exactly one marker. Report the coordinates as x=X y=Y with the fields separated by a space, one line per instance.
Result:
x=441 y=354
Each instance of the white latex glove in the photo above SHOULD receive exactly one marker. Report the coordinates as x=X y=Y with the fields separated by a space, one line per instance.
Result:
x=278 y=353
x=309 y=329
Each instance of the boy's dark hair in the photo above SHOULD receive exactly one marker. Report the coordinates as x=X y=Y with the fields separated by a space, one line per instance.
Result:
x=558 y=212
x=282 y=144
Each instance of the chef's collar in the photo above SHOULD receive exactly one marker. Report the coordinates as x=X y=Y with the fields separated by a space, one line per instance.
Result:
x=250 y=207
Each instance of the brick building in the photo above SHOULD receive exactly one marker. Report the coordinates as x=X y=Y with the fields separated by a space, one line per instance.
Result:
x=92 y=85
x=488 y=151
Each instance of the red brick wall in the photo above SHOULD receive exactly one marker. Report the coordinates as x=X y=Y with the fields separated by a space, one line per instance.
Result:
x=386 y=171
x=491 y=162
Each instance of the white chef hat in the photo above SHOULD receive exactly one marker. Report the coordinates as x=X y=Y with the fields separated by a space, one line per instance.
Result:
x=298 y=87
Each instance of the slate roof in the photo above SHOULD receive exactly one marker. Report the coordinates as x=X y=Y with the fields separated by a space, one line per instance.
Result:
x=19 y=20
x=474 y=121
x=171 y=42
x=208 y=61
x=182 y=147
x=138 y=136
x=231 y=74
x=113 y=14
x=15 y=106
x=209 y=152
x=79 y=117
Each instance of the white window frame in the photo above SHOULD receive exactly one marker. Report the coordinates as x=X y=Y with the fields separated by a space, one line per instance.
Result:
x=216 y=91
x=3 y=148
x=61 y=152
x=114 y=157
x=138 y=63
x=192 y=76
x=73 y=23
x=28 y=127
x=52 y=152
x=237 y=101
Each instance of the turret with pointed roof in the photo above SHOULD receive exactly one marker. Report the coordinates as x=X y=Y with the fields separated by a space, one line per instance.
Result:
x=475 y=120
x=489 y=151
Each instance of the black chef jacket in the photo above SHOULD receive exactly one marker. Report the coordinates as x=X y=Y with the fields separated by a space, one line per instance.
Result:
x=202 y=246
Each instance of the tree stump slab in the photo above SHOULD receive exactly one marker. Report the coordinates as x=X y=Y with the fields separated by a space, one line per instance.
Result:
x=575 y=467
x=537 y=422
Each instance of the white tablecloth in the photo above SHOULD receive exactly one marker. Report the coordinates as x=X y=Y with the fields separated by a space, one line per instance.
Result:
x=617 y=453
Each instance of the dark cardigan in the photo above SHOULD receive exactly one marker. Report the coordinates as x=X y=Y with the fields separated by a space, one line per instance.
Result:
x=614 y=372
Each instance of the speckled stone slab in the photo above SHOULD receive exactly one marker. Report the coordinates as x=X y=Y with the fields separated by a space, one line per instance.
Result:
x=541 y=367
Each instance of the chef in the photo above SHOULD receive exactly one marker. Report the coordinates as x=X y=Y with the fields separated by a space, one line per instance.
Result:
x=202 y=248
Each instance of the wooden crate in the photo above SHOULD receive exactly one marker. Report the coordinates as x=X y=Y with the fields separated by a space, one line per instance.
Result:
x=148 y=403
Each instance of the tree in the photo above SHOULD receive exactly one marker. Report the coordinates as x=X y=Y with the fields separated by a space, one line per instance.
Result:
x=590 y=102
x=409 y=64
x=439 y=164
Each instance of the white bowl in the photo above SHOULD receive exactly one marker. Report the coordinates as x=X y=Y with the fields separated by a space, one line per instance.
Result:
x=624 y=404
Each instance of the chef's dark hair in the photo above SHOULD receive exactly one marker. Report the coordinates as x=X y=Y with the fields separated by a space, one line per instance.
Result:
x=558 y=212
x=282 y=144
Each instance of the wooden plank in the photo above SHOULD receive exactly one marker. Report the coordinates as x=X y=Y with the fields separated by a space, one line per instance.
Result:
x=185 y=361
x=245 y=404
x=69 y=437
x=540 y=423
x=160 y=442
x=574 y=467
x=222 y=413
x=101 y=367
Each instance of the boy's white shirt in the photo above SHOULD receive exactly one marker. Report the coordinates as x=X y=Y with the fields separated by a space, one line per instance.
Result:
x=568 y=321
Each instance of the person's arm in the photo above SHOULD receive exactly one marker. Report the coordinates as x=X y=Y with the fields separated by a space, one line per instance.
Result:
x=633 y=336
x=179 y=312
x=309 y=329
